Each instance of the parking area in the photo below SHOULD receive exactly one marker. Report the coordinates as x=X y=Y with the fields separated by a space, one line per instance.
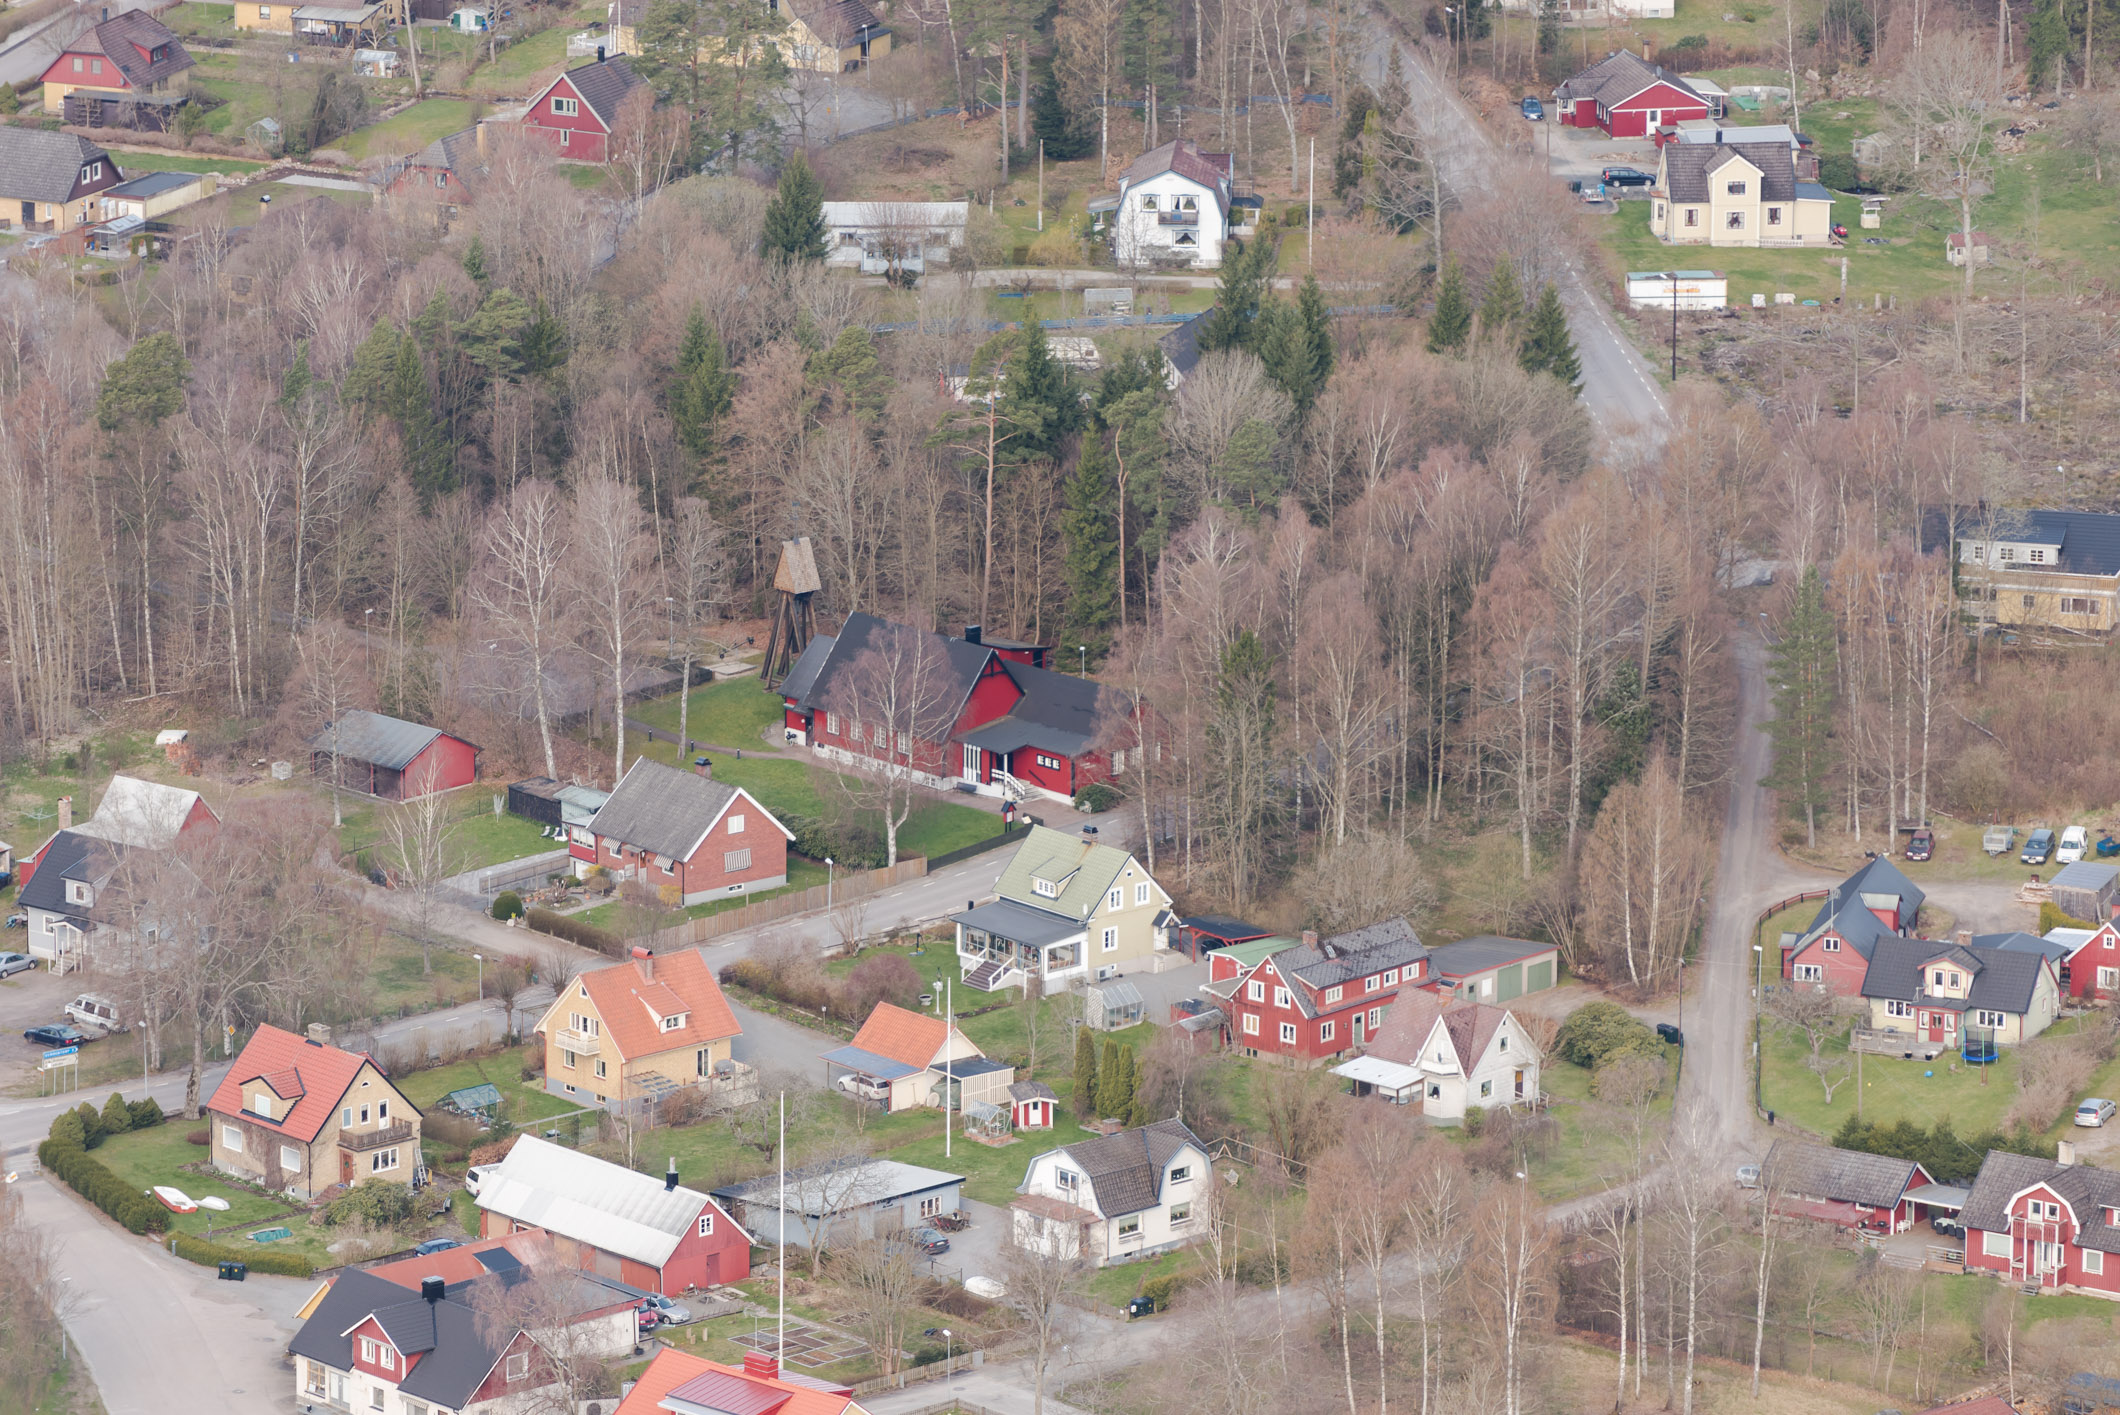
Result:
x=28 y=1000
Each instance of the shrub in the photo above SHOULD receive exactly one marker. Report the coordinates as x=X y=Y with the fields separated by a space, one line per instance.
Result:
x=1097 y=797
x=886 y=977
x=89 y=1177
x=1475 y=1121
x=1159 y=1289
x=575 y=931
x=1598 y=1032
x=508 y=906
x=2052 y=916
x=493 y=1151
x=117 y=1117
x=376 y=1201
x=67 y=1130
x=259 y=1260
x=91 y=1125
x=146 y=1114
x=198 y=1137
x=1838 y=171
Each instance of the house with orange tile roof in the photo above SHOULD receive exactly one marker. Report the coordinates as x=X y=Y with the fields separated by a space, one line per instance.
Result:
x=904 y=1060
x=296 y=1115
x=1446 y=1056
x=678 y=1383
x=641 y=1031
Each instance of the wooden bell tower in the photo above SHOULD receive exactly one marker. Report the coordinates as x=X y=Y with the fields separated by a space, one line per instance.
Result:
x=795 y=617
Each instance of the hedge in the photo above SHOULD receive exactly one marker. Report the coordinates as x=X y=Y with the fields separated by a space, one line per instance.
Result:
x=211 y=1255
x=575 y=931
x=92 y=1180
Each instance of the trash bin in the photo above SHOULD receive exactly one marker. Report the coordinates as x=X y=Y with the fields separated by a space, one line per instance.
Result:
x=234 y=1272
x=1140 y=1307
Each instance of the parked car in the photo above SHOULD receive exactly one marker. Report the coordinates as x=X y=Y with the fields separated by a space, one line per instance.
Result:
x=1946 y=1225
x=436 y=1245
x=473 y=1175
x=674 y=1314
x=1627 y=177
x=18 y=920
x=56 y=1034
x=1922 y=845
x=2094 y=1112
x=863 y=1088
x=928 y=1241
x=2075 y=844
x=1748 y=1176
x=13 y=963
x=1532 y=109
x=646 y=1317
x=2038 y=847
x=95 y=1012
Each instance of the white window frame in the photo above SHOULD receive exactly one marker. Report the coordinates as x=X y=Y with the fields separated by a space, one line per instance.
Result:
x=1325 y=1031
x=931 y=1206
x=1372 y=983
x=1115 y=899
x=1251 y=1024
x=706 y=1225
x=1829 y=945
x=290 y=1159
x=1809 y=972
x=1895 y=1008
x=1140 y=894
x=1179 y=1174
x=736 y=825
x=1332 y=995
x=564 y=107
x=232 y=1138
x=2093 y=1260
x=1391 y=977
x=1109 y=943
x=1181 y=1214
x=383 y=1161
x=1983 y=1017
x=1288 y=1034
x=1281 y=999
x=1130 y=1227
x=1255 y=991
x=1994 y=1245
x=1045 y=888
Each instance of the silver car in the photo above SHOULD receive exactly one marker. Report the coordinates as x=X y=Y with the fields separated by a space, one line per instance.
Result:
x=2095 y=1112
x=13 y=963
x=675 y=1314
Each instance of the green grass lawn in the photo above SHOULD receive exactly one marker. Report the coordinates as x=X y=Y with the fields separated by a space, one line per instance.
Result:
x=584 y=176
x=194 y=17
x=135 y=162
x=1114 y=1285
x=1974 y=1097
x=517 y=67
x=710 y=1154
x=1594 y=1149
x=732 y=714
x=398 y=983
x=802 y=874
x=409 y=131
x=158 y=1155
x=479 y=837
x=521 y=1101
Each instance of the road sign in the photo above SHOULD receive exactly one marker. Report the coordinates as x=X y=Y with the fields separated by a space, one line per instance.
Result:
x=62 y=1051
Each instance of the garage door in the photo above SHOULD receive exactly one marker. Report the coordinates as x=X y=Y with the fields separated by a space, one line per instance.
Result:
x=1540 y=976
x=1509 y=982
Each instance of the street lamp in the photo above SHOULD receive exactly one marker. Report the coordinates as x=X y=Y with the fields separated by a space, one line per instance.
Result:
x=828 y=884
x=949 y=1352
x=1672 y=276
x=367 y=630
x=1083 y=649
x=481 y=975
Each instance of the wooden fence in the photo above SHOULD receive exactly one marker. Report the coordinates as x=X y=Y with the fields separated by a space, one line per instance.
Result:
x=848 y=887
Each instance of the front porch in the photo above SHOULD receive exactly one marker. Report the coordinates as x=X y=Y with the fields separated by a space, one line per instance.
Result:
x=1001 y=945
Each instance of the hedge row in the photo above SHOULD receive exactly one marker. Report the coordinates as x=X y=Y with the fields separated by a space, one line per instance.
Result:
x=575 y=931
x=92 y=1180
x=207 y=1254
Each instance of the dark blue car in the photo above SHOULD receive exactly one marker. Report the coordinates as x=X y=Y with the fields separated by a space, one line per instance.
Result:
x=1532 y=109
x=57 y=1034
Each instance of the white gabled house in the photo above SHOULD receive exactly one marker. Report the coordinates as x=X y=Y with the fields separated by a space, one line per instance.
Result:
x=1447 y=1057
x=1176 y=205
x=1116 y=1197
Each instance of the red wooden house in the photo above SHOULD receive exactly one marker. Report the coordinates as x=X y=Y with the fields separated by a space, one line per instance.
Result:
x=121 y=73
x=2050 y=1222
x=1015 y=726
x=578 y=111
x=1875 y=902
x=2088 y=959
x=683 y=828
x=1627 y=97
x=1849 y=1189
x=391 y=758
x=1323 y=997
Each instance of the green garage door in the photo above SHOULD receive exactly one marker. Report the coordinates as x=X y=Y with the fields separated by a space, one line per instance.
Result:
x=1540 y=976
x=1509 y=982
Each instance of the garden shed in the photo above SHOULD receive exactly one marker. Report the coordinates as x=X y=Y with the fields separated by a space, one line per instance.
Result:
x=2084 y=891
x=1111 y=1005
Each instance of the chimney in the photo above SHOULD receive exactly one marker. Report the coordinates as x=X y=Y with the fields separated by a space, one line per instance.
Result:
x=1965 y=938
x=1310 y=940
x=670 y=1176
x=644 y=959
x=2064 y=1151
x=431 y=1288
x=1718 y=137
x=66 y=813
x=762 y=1365
x=973 y=633
x=703 y=766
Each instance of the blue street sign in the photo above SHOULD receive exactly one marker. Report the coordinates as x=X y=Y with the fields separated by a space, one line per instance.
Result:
x=62 y=1051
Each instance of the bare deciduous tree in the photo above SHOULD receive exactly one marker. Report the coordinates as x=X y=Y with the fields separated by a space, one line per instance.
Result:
x=525 y=586
x=897 y=696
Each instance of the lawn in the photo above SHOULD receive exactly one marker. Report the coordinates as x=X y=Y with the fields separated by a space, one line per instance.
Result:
x=158 y=1155
x=521 y=63
x=710 y=1154
x=522 y=1102
x=193 y=17
x=398 y=985
x=479 y=837
x=1114 y=1285
x=1974 y=1097
x=136 y=162
x=733 y=714
x=409 y=131
x=1593 y=1149
x=802 y=874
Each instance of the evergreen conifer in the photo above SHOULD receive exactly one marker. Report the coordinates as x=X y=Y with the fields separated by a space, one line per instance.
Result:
x=1451 y=324
x=795 y=217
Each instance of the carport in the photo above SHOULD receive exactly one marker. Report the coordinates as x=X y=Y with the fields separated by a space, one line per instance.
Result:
x=878 y=1071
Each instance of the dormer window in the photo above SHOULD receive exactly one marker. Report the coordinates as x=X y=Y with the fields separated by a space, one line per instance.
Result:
x=1937 y=982
x=1045 y=888
x=78 y=893
x=675 y=1023
x=93 y=170
x=261 y=1104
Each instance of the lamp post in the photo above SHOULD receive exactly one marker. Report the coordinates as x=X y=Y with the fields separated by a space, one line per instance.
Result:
x=481 y=960
x=367 y=632
x=949 y=1353
x=1083 y=651
x=1672 y=276
x=828 y=884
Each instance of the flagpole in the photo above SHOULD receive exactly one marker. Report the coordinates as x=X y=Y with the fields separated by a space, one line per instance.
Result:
x=780 y=1337
x=949 y=1070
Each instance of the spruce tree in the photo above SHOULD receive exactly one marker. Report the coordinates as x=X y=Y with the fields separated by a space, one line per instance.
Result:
x=703 y=388
x=475 y=260
x=296 y=383
x=1451 y=324
x=143 y=385
x=368 y=381
x=795 y=216
x=544 y=342
x=428 y=460
x=1316 y=317
x=1088 y=528
x=1547 y=347
x=1064 y=139
x=1802 y=726
x=1035 y=396
x=1296 y=344
x=1115 y=1083
x=1085 y=1075
x=1503 y=307
x=1247 y=267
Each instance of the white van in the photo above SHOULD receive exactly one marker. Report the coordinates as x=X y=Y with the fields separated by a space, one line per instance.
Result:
x=96 y=1013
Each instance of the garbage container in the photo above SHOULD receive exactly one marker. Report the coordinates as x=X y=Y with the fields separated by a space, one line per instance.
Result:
x=1140 y=1307
x=234 y=1272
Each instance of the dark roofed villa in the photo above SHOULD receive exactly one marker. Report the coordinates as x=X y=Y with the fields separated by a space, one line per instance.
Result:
x=2052 y=569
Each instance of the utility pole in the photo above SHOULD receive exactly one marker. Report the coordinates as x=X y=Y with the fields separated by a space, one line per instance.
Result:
x=1310 y=213
x=1673 y=277
x=1041 y=201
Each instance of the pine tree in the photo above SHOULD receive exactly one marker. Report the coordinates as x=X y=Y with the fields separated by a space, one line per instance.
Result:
x=475 y=260
x=544 y=342
x=1036 y=397
x=1503 y=307
x=1451 y=324
x=1547 y=347
x=1802 y=727
x=1085 y=1075
x=795 y=216
x=1064 y=139
x=428 y=462
x=1246 y=269
x=703 y=387
x=493 y=337
x=1088 y=528
x=368 y=381
x=143 y=385
x=1115 y=1083
x=298 y=380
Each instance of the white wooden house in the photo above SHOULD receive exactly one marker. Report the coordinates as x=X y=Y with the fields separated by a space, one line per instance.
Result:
x=1116 y=1197
x=1174 y=207
x=1447 y=1057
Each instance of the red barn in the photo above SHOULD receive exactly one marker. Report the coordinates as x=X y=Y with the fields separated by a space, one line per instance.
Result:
x=135 y=813
x=2053 y=1223
x=1627 y=97
x=578 y=111
x=706 y=837
x=390 y=758
x=1323 y=997
x=1875 y=902
x=1015 y=727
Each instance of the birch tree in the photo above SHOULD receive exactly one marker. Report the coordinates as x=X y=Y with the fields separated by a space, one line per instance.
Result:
x=612 y=555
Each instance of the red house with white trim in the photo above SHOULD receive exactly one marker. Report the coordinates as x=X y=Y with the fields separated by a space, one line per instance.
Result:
x=2088 y=959
x=2050 y=1222
x=1324 y=997
x=1628 y=97
x=578 y=111
x=1015 y=727
x=1875 y=902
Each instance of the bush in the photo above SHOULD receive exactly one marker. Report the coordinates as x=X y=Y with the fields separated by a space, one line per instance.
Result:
x=2051 y=917
x=1838 y=171
x=575 y=931
x=816 y=839
x=67 y=1130
x=89 y=1177
x=259 y=1260
x=508 y=906
x=1598 y=1032
x=379 y=1202
x=117 y=1117
x=1097 y=797
x=198 y=1137
x=91 y=1125
x=1475 y=1121
x=146 y=1114
x=1159 y=1290
x=886 y=977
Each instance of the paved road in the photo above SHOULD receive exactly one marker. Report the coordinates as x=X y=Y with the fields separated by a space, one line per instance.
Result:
x=1619 y=387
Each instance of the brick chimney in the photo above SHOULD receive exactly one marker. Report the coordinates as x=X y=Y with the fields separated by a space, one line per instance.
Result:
x=644 y=959
x=1965 y=938
x=1310 y=940
x=66 y=813
x=761 y=1364
x=2064 y=1152
x=703 y=766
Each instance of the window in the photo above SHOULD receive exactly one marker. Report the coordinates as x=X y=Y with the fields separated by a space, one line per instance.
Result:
x=567 y=1058
x=368 y=1349
x=1829 y=945
x=290 y=1159
x=1954 y=978
x=383 y=1160
x=264 y=12
x=1288 y=1034
x=2008 y=552
x=669 y=866
x=706 y=1225
x=1255 y=990
x=1938 y=982
x=1736 y=189
x=736 y=825
x=76 y=892
x=386 y=1356
x=734 y=860
x=1148 y=201
x=703 y=1060
x=2038 y=557
x=1980 y=552
x=1995 y=1245
x=2079 y=606
x=1067 y=1179
x=674 y=1022
x=1774 y=216
x=1736 y=221
x=1501 y=1044
x=1659 y=213
x=1810 y=973
x=382 y=1110
x=601 y=1073
x=1180 y=1214
x=1141 y=892
x=1251 y=1024
x=1110 y=941
x=1692 y=216
x=1130 y=1227
x=1332 y=995
x=1045 y=888
x=1372 y=983
x=1376 y=1018
x=261 y=1104
x=77 y=66
x=95 y=66
x=566 y=107
x=1325 y=1031
x=831 y=723
x=415 y=1407
x=877 y=733
x=1896 y=1008
x=232 y=1138
x=1049 y=763
x=346 y=1118
x=1115 y=899
x=583 y=1025
x=566 y=137
x=1391 y=977
x=1179 y=1174
x=1280 y=998
x=1486 y=1089
x=1988 y=1019
x=313 y=1378
x=2024 y=601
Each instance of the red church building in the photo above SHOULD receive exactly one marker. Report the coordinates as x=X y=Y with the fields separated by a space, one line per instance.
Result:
x=1010 y=727
x=1627 y=97
x=578 y=111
